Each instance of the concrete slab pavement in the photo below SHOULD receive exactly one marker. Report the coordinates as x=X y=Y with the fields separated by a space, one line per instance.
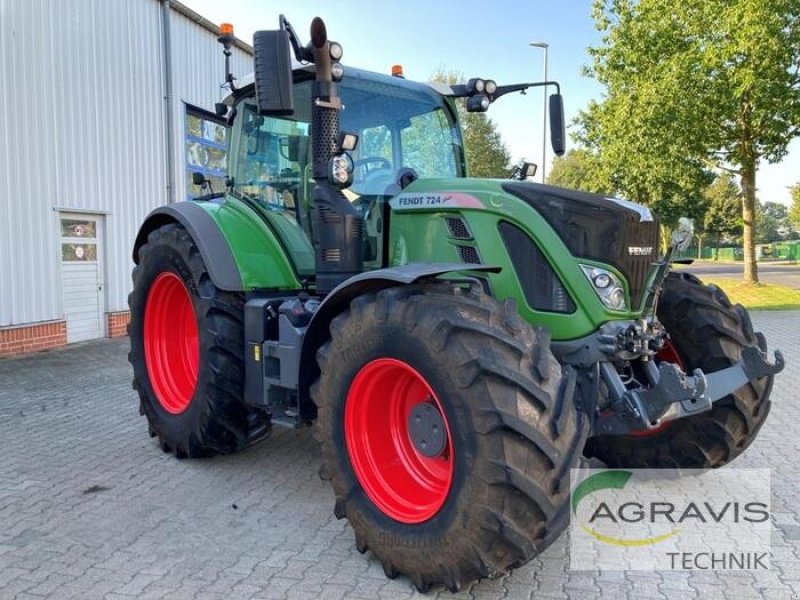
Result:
x=91 y=508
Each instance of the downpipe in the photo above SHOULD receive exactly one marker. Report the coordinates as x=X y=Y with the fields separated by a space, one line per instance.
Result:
x=169 y=140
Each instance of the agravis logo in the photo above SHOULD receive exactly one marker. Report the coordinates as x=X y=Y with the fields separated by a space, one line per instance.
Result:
x=657 y=513
x=609 y=480
x=640 y=519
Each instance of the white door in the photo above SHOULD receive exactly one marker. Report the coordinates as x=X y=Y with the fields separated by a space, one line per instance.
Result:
x=82 y=276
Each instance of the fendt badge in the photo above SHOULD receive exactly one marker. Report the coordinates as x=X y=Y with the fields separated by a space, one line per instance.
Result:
x=640 y=250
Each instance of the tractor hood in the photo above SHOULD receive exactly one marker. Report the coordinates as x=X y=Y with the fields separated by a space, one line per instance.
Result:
x=610 y=230
x=591 y=226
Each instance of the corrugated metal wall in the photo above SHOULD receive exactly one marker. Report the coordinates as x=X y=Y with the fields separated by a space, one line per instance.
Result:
x=82 y=128
x=197 y=71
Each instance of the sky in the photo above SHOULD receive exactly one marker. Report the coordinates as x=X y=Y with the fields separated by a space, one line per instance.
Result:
x=477 y=38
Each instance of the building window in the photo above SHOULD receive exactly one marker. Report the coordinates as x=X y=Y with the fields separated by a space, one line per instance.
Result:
x=206 y=149
x=78 y=240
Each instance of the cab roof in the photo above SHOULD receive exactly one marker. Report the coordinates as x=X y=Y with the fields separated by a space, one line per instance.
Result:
x=302 y=72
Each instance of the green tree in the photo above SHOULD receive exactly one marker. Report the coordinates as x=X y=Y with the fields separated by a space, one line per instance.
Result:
x=724 y=214
x=773 y=222
x=794 y=211
x=693 y=84
x=578 y=170
x=766 y=225
x=487 y=154
x=640 y=165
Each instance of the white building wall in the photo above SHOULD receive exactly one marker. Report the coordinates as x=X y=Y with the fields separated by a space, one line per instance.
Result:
x=198 y=68
x=82 y=118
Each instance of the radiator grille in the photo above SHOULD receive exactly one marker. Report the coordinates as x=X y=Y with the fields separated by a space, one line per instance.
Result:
x=469 y=254
x=458 y=228
x=542 y=288
x=636 y=267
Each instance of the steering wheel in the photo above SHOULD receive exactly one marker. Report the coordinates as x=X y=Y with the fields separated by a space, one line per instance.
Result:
x=374 y=180
x=363 y=162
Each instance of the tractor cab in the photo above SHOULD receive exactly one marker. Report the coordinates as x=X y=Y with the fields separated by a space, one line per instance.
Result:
x=319 y=150
x=406 y=130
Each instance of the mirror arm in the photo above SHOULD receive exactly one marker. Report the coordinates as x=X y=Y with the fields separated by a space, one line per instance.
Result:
x=521 y=87
x=301 y=53
x=460 y=90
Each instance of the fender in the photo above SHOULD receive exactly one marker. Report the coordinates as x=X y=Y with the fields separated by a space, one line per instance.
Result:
x=240 y=250
x=341 y=296
x=205 y=232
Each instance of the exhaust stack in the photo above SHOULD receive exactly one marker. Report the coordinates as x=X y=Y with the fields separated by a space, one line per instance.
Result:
x=338 y=227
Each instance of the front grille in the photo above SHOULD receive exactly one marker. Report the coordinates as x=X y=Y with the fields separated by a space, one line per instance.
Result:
x=598 y=228
x=542 y=288
x=632 y=260
x=458 y=228
x=469 y=254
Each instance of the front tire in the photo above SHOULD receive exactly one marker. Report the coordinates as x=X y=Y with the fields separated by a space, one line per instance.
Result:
x=494 y=491
x=708 y=333
x=187 y=351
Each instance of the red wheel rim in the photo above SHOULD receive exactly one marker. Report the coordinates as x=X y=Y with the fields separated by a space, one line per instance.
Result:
x=402 y=482
x=669 y=353
x=171 y=345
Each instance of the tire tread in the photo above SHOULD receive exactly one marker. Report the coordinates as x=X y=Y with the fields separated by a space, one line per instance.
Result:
x=495 y=356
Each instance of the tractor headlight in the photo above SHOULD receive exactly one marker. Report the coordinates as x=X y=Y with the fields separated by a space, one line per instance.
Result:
x=336 y=50
x=337 y=71
x=340 y=170
x=601 y=281
x=475 y=86
x=478 y=103
x=607 y=286
x=490 y=87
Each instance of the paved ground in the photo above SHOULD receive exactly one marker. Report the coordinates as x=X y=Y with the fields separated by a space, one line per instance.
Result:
x=767 y=272
x=91 y=508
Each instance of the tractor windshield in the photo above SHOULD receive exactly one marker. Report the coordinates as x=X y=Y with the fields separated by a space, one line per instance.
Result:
x=400 y=124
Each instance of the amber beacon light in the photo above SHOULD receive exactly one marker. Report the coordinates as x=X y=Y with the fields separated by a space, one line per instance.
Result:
x=225 y=31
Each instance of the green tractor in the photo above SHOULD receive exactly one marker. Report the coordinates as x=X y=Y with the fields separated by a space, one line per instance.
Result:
x=458 y=344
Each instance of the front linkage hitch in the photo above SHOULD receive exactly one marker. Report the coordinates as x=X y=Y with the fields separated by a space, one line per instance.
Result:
x=673 y=394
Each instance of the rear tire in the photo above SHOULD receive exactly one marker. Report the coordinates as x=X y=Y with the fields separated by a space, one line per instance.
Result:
x=709 y=333
x=187 y=351
x=514 y=432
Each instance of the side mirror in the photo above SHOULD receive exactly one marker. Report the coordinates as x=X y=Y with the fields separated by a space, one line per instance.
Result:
x=557 y=131
x=682 y=235
x=524 y=170
x=528 y=170
x=273 y=73
x=198 y=178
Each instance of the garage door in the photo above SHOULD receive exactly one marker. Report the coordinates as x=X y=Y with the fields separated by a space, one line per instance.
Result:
x=82 y=276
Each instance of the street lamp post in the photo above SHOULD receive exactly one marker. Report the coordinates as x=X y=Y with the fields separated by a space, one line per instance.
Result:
x=544 y=46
